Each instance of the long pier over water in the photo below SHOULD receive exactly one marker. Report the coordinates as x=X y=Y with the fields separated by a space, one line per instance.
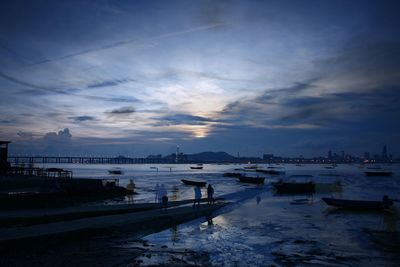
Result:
x=86 y=160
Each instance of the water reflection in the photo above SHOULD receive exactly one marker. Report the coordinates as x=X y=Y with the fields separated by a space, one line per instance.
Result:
x=175 y=193
x=258 y=199
x=175 y=236
x=390 y=220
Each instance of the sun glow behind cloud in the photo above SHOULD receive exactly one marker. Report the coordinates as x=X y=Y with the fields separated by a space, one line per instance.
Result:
x=189 y=74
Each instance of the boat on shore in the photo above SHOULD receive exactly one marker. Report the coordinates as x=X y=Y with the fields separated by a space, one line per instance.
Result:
x=250 y=168
x=294 y=186
x=115 y=171
x=233 y=174
x=272 y=170
x=359 y=204
x=377 y=170
x=282 y=187
x=195 y=183
x=251 y=180
x=197 y=167
x=378 y=173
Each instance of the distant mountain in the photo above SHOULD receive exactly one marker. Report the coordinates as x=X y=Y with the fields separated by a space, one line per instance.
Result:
x=210 y=157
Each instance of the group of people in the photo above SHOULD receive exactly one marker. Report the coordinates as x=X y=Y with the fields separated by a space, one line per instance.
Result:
x=161 y=196
x=198 y=195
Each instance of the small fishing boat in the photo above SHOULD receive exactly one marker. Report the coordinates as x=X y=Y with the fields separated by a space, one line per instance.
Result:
x=377 y=170
x=195 y=183
x=250 y=167
x=294 y=186
x=197 y=167
x=272 y=170
x=233 y=174
x=251 y=180
x=378 y=173
x=359 y=204
x=115 y=171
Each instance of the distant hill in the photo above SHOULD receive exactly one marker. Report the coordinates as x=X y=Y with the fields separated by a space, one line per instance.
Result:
x=210 y=157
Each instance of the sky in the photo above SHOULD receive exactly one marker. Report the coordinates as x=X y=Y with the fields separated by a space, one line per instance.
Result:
x=135 y=78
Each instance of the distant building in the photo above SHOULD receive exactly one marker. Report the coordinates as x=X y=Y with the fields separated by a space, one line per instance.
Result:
x=177 y=154
x=268 y=156
x=384 y=153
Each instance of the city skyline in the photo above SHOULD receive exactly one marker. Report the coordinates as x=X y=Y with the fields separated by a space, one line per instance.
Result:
x=254 y=77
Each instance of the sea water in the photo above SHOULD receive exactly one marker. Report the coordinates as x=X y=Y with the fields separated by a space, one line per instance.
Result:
x=259 y=228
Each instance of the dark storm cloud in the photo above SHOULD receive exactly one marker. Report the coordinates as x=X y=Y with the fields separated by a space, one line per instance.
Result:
x=109 y=83
x=120 y=99
x=63 y=136
x=182 y=119
x=122 y=111
x=5 y=122
x=82 y=118
x=37 y=89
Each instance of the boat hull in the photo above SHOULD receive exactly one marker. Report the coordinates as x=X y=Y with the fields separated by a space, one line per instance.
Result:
x=375 y=173
x=251 y=180
x=195 y=183
x=294 y=188
x=196 y=168
x=358 y=204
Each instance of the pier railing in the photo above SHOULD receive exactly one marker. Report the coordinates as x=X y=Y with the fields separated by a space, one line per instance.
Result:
x=40 y=172
x=85 y=160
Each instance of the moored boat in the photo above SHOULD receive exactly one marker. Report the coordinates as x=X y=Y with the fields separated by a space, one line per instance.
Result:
x=196 y=167
x=378 y=173
x=377 y=170
x=233 y=174
x=195 y=183
x=272 y=170
x=282 y=187
x=251 y=180
x=115 y=171
x=295 y=184
x=250 y=167
x=359 y=204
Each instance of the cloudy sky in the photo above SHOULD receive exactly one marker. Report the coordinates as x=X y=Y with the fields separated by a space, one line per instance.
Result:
x=140 y=77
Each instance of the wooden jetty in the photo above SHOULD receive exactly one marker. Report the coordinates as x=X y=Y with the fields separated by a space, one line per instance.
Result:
x=99 y=223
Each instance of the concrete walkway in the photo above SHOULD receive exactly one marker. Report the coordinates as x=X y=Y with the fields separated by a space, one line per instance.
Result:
x=142 y=218
x=30 y=217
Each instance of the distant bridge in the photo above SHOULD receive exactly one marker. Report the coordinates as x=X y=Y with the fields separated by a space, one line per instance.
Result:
x=86 y=160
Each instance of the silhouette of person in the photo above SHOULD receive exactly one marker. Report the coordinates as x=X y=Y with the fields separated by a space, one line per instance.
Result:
x=210 y=194
x=164 y=198
x=156 y=192
x=197 y=196
x=258 y=199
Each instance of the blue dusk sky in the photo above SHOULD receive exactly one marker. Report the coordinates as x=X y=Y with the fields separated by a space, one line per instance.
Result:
x=139 y=77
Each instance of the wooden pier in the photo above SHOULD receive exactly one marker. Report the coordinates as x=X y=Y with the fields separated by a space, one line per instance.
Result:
x=85 y=160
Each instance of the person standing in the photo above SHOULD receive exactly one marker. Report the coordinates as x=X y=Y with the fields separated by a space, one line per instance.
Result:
x=156 y=192
x=163 y=198
x=210 y=194
x=197 y=196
